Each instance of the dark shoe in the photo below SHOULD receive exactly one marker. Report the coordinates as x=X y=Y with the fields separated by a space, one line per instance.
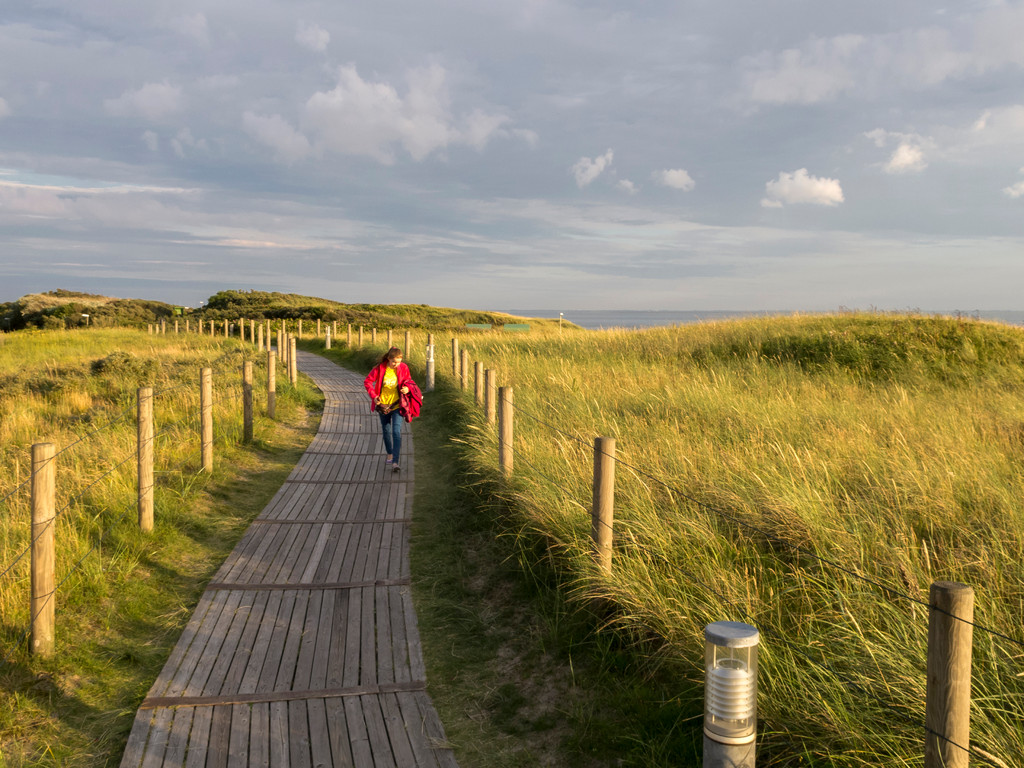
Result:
x=395 y=467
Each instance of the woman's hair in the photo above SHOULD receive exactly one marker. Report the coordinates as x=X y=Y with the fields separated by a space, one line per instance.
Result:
x=390 y=355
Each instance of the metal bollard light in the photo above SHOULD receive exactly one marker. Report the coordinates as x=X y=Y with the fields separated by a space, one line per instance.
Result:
x=730 y=695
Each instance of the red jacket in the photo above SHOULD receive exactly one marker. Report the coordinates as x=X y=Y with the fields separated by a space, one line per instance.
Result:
x=409 y=405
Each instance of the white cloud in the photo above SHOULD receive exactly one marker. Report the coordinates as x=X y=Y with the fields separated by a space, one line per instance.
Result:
x=153 y=101
x=675 y=178
x=313 y=37
x=194 y=27
x=801 y=187
x=367 y=118
x=586 y=170
x=5 y=110
x=274 y=131
x=818 y=72
x=627 y=186
x=1015 y=190
x=908 y=158
x=151 y=140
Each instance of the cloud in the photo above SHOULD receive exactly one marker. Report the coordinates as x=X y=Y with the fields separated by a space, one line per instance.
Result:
x=194 y=27
x=586 y=170
x=359 y=117
x=627 y=186
x=677 y=179
x=151 y=140
x=800 y=187
x=186 y=139
x=153 y=101
x=1015 y=190
x=274 y=131
x=5 y=110
x=908 y=158
x=313 y=37
x=820 y=71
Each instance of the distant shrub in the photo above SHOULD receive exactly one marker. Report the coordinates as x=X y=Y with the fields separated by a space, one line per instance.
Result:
x=124 y=364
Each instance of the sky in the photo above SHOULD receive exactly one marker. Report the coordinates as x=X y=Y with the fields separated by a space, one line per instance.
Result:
x=665 y=154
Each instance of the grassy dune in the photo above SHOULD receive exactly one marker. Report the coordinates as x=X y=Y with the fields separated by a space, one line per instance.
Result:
x=123 y=596
x=890 y=446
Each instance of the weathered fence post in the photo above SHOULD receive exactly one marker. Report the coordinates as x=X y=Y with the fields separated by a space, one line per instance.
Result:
x=247 y=401
x=150 y=326
x=505 y=430
x=334 y=328
x=175 y=327
x=252 y=331
x=373 y=337
x=604 y=502
x=188 y=326
x=271 y=384
x=430 y=362
x=327 y=341
x=455 y=358
x=44 y=591
x=464 y=370
x=259 y=345
x=948 y=699
x=390 y=336
x=318 y=332
x=206 y=418
x=490 y=394
x=478 y=383
x=163 y=327
x=145 y=457
x=408 y=344
x=293 y=364
x=348 y=338
x=300 y=327
x=226 y=330
x=360 y=337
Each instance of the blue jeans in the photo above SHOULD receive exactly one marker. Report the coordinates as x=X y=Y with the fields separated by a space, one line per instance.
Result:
x=391 y=424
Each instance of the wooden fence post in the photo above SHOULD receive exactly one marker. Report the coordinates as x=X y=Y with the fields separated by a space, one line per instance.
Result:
x=226 y=329
x=603 y=502
x=948 y=699
x=206 y=418
x=145 y=457
x=373 y=337
x=348 y=338
x=247 y=401
x=150 y=329
x=175 y=327
x=327 y=341
x=464 y=370
x=271 y=384
x=252 y=331
x=490 y=394
x=455 y=358
x=390 y=337
x=318 y=332
x=293 y=364
x=259 y=345
x=429 y=362
x=334 y=328
x=505 y=430
x=300 y=327
x=360 y=337
x=408 y=345
x=478 y=383
x=44 y=590
x=188 y=326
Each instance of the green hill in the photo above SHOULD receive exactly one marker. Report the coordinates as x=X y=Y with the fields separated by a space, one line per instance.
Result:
x=66 y=309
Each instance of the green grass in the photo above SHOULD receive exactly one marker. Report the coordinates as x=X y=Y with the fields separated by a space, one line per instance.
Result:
x=120 y=613
x=889 y=445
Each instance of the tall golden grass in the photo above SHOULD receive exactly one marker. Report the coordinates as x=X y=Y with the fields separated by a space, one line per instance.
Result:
x=811 y=475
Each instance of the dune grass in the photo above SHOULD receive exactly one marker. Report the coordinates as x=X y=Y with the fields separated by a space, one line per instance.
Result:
x=123 y=596
x=770 y=470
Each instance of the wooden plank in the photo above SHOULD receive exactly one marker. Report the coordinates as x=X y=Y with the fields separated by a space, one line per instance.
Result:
x=220 y=735
x=341 y=748
x=177 y=743
x=278 y=737
x=226 y=654
x=259 y=736
x=260 y=647
x=367 y=644
x=377 y=733
x=135 y=748
x=385 y=657
x=397 y=731
x=298 y=735
x=268 y=676
x=238 y=745
x=308 y=638
x=412 y=635
x=205 y=661
x=246 y=643
x=399 y=642
x=159 y=732
x=199 y=738
x=423 y=750
x=319 y=735
x=352 y=639
x=339 y=647
x=358 y=739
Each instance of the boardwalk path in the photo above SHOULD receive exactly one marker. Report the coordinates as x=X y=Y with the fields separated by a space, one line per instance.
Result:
x=303 y=650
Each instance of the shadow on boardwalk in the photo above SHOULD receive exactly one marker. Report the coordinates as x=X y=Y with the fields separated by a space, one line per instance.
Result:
x=303 y=650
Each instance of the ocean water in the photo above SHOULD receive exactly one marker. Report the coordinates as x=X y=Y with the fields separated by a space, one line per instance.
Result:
x=608 y=318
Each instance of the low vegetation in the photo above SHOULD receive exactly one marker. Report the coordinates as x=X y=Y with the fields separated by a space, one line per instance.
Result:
x=809 y=475
x=123 y=596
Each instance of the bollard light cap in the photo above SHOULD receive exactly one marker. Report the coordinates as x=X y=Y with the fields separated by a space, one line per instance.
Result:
x=731 y=634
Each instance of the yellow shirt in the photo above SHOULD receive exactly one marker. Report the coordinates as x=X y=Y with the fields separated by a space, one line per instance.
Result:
x=389 y=392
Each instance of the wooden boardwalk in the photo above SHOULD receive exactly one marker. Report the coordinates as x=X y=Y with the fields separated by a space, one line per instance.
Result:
x=303 y=650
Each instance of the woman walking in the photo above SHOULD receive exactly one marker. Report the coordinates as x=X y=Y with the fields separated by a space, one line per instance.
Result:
x=395 y=396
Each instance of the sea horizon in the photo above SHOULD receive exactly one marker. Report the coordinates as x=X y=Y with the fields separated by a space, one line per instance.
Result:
x=595 y=319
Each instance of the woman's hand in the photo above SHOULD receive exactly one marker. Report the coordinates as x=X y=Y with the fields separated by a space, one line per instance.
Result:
x=376 y=401
x=405 y=390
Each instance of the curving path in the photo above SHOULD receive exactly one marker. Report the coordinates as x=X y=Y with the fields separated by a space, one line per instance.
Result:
x=303 y=650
